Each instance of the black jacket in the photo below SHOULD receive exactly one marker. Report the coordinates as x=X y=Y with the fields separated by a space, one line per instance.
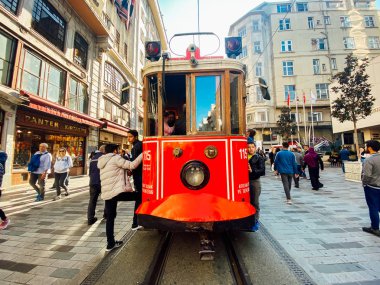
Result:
x=135 y=152
x=257 y=164
x=94 y=170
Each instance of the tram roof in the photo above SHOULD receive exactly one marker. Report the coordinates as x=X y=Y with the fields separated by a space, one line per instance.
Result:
x=179 y=65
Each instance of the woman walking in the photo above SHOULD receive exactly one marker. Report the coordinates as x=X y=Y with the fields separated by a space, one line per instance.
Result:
x=62 y=165
x=312 y=160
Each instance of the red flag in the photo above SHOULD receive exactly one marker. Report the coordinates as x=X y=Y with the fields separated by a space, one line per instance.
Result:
x=304 y=98
x=288 y=99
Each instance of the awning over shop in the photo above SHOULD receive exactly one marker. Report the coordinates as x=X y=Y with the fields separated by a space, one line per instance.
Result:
x=43 y=105
x=114 y=128
x=11 y=96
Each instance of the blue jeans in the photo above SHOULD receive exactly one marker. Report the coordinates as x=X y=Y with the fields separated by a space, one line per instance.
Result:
x=372 y=196
x=343 y=161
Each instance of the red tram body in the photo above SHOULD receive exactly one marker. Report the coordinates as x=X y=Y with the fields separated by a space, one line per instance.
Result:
x=196 y=180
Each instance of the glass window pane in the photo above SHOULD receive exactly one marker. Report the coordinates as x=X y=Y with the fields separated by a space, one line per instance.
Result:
x=32 y=64
x=30 y=83
x=207 y=100
x=152 y=102
x=234 y=93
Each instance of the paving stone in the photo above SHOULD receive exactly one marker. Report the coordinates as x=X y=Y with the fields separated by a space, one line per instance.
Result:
x=22 y=267
x=45 y=240
x=62 y=255
x=42 y=280
x=336 y=268
x=62 y=248
x=18 y=277
x=65 y=273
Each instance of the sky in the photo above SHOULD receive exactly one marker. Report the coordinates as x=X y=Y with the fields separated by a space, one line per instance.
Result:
x=180 y=16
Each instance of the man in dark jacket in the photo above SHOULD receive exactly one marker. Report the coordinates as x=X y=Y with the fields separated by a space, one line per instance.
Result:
x=285 y=164
x=256 y=169
x=344 y=156
x=133 y=138
x=95 y=186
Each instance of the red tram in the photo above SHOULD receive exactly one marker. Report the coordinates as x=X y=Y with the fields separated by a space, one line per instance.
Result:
x=196 y=178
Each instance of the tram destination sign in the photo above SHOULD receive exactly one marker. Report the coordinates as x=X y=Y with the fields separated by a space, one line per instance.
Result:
x=49 y=123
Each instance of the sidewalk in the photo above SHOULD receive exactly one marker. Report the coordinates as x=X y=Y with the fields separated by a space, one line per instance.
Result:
x=322 y=229
x=50 y=242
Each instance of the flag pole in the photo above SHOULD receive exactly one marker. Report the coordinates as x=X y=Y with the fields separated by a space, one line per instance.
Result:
x=297 y=120
x=312 y=98
x=304 y=117
x=290 y=115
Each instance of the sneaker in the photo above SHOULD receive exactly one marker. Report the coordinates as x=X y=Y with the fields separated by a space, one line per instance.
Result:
x=315 y=189
x=118 y=243
x=57 y=198
x=136 y=227
x=4 y=224
x=256 y=227
x=67 y=193
x=289 y=202
x=371 y=231
x=92 y=221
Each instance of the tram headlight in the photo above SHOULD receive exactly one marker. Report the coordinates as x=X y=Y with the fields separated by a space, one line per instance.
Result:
x=195 y=175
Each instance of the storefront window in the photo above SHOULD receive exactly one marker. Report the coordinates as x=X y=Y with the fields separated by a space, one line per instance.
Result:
x=78 y=97
x=41 y=78
x=28 y=140
x=7 y=57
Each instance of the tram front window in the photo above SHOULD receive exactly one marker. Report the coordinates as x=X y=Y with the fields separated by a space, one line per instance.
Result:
x=208 y=101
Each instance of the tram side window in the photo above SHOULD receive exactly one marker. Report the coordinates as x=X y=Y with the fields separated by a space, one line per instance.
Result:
x=208 y=102
x=234 y=94
x=175 y=105
x=152 y=104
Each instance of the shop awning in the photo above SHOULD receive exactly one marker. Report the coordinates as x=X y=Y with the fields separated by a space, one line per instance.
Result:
x=114 y=128
x=11 y=96
x=43 y=105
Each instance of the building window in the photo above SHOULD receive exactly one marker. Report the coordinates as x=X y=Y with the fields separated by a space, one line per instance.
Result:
x=249 y=118
x=126 y=52
x=345 y=22
x=361 y=4
x=287 y=68
x=117 y=41
x=284 y=8
x=302 y=7
x=373 y=42
x=113 y=79
x=259 y=67
x=78 y=96
x=42 y=78
x=261 y=116
x=327 y=20
x=316 y=66
x=369 y=22
x=286 y=46
x=10 y=5
x=284 y=24
x=259 y=95
x=333 y=64
x=322 y=91
x=257 y=47
x=349 y=43
x=49 y=23
x=243 y=52
x=7 y=58
x=290 y=90
x=242 y=32
x=318 y=44
x=256 y=26
x=324 y=67
x=334 y=4
x=310 y=22
x=80 y=50
x=315 y=116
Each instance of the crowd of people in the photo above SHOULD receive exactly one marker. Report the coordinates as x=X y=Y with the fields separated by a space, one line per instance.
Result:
x=290 y=162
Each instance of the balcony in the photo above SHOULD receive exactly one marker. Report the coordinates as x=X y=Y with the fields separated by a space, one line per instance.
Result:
x=90 y=11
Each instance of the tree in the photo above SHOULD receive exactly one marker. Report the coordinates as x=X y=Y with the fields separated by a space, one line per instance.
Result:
x=285 y=124
x=354 y=101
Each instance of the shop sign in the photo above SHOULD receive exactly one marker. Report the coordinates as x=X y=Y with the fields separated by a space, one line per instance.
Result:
x=47 y=123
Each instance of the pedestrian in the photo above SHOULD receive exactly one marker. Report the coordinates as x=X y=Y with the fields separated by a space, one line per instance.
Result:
x=313 y=161
x=371 y=183
x=113 y=185
x=271 y=157
x=299 y=161
x=300 y=151
x=285 y=164
x=344 y=155
x=256 y=167
x=95 y=186
x=305 y=149
x=3 y=159
x=133 y=138
x=39 y=168
x=62 y=165
x=250 y=134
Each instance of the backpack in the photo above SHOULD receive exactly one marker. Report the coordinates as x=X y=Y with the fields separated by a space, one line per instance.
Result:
x=34 y=162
